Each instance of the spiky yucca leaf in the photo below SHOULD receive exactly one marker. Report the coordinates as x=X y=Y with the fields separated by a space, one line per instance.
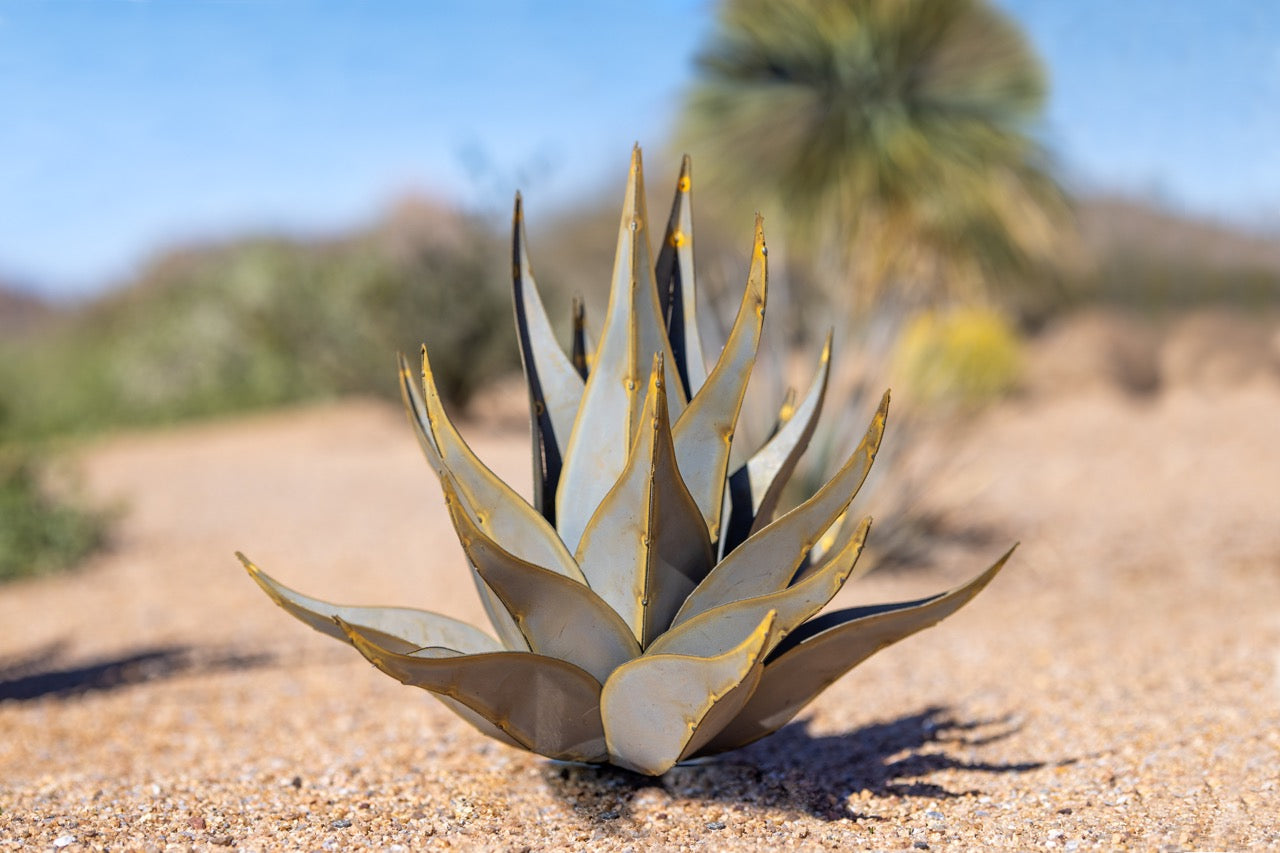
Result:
x=648 y=606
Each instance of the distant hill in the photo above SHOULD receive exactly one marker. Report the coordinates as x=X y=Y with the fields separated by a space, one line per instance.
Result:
x=1147 y=259
x=20 y=311
x=1109 y=224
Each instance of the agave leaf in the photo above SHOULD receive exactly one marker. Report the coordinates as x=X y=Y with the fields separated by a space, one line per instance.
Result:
x=493 y=505
x=714 y=631
x=677 y=289
x=613 y=398
x=528 y=534
x=820 y=651
x=704 y=432
x=400 y=628
x=474 y=719
x=659 y=707
x=558 y=617
x=646 y=547
x=545 y=705
x=479 y=723
x=755 y=487
x=768 y=560
x=555 y=386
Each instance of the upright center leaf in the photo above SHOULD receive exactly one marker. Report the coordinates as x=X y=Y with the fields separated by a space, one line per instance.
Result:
x=646 y=547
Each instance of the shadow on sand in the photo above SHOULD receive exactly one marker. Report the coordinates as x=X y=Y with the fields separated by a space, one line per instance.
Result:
x=43 y=672
x=796 y=771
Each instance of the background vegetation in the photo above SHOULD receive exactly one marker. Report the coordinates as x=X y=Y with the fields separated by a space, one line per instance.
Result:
x=262 y=322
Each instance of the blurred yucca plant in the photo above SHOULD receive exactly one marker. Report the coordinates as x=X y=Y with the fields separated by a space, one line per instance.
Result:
x=648 y=605
x=892 y=137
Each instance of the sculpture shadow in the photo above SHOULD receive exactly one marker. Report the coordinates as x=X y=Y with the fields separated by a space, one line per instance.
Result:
x=42 y=673
x=796 y=771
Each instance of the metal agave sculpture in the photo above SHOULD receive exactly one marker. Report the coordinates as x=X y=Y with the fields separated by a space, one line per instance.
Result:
x=649 y=607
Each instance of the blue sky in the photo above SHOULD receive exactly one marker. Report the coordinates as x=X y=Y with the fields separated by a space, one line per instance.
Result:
x=129 y=124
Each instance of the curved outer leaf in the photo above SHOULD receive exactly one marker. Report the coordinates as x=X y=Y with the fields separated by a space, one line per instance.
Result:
x=677 y=288
x=505 y=627
x=400 y=628
x=658 y=708
x=499 y=618
x=611 y=402
x=545 y=705
x=820 y=651
x=555 y=386
x=755 y=487
x=704 y=432
x=525 y=528
x=646 y=547
x=715 y=631
x=768 y=560
x=493 y=505
x=558 y=617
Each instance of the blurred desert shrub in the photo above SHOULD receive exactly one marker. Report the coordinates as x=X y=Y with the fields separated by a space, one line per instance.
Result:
x=40 y=530
x=262 y=322
x=963 y=357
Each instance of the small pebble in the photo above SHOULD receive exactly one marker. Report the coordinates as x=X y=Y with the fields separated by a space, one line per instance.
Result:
x=609 y=815
x=716 y=824
x=64 y=840
x=341 y=824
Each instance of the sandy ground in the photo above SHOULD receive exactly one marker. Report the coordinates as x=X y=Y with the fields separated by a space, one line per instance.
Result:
x=1118 y=686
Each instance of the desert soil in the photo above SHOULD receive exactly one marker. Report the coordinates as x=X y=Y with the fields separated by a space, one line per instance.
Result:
x=1118 y=686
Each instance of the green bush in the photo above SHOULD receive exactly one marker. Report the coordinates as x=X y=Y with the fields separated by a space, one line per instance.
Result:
x=40 y=532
